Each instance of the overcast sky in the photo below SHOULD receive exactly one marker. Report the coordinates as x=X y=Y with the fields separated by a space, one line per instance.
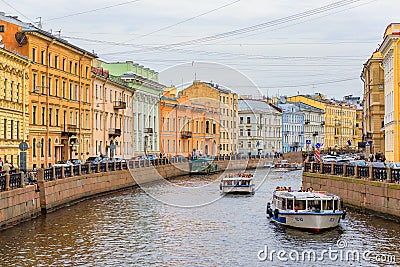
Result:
x=298 y=46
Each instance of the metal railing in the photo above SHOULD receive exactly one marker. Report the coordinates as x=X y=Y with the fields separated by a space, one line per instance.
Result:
x=53 y=173
x=15 y=180
x=381 y=174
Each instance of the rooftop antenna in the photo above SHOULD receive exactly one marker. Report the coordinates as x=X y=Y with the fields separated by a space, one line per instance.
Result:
x=39 y=23
x=59 y=33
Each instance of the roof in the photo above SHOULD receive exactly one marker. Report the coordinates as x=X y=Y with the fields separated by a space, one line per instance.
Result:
x=29 y=27
x=307 y=107
x=255 y=105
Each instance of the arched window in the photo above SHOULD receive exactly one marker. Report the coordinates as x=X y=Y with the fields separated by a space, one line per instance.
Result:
x=34 y=147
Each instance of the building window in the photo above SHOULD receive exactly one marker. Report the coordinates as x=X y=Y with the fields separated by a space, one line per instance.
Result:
x=2 y=28
x=34 y=56
x=34 y=115
x=49 y=86
x=11 y=129
x=56 y=117
x=76 y=68
x=49 y=147
x=64 y=64
x=70 y=66
x=96 y=92
x=42 y=148
x=42 y=57
x=248 y=132
x=34 y=82
x=70 y=90
x=17 y=130
x=56 y=62
x=63 y=89
x=11 y=90
x=248 y=120
x=43 y=115
x=76 y=92
x=5 y=129
x=34 y=147
x=241 y=120
x=87 y=95
x=56 y=92
x=49 y=59
x=43 y=84
x=50 y=116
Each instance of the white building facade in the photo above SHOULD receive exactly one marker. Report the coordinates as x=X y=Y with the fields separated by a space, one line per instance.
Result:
x=259 y=128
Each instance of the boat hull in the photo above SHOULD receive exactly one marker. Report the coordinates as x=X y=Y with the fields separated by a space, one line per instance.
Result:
x=310 y=221
x=237 y=189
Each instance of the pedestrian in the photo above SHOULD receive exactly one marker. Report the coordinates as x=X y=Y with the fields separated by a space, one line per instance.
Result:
x=1 y=164
x=371 y=157
x=6 y=166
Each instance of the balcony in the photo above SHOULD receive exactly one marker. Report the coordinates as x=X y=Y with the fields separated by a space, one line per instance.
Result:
x=119 y=105
x=69 y=130
x=113 y=132
x=186 y=134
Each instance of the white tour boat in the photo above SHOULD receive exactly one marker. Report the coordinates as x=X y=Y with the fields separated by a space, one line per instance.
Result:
x=269 y=164
x=313 y=211
x=285 y=166
x=237 y=184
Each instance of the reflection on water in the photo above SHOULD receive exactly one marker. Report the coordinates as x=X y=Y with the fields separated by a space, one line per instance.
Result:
x=130 y=228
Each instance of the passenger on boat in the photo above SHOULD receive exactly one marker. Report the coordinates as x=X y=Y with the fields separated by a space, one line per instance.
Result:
x=302 y=189
x=290 y=189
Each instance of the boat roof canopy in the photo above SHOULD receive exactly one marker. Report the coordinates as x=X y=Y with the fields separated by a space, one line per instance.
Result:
x=306 y=195
x=237 y=179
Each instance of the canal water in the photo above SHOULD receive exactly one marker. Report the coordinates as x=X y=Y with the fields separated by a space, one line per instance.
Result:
x=187 y=223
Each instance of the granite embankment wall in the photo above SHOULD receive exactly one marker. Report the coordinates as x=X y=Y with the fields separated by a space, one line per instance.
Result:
x=378 y=197
x=58 y=190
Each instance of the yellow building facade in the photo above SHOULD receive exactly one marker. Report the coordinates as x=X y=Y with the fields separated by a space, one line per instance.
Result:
x=14 y=113
x=188 y=127
x=339 y=121
x=374 y=108
x=59 y=93
x=226 y=102
x=390 y=50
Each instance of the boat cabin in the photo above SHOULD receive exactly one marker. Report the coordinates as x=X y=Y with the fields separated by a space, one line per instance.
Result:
x=306 y=201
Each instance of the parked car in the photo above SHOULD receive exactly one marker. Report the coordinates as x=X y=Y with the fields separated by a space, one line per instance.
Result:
x=361 y=163
x=76 y=162
x=342 y=161
x=377 y=164
x=94 y=160
x=64 y=163
x=118 y=159
x=393 y=165
x=106 y=159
